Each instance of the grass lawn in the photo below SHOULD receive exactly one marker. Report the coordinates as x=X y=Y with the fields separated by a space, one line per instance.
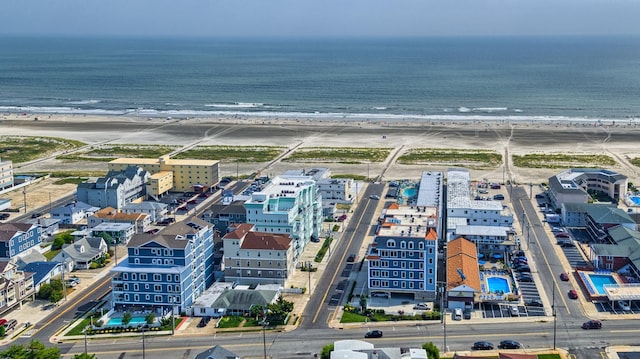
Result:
x=72 y=180
x=51 y=254
x=350 y=317
x=230 y=322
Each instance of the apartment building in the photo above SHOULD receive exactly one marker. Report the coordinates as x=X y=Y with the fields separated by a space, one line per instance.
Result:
x=18 y=238
x=169 y=269
x=139 y=221
x=6 y=174
x=116 y=189
x=252 y=257
x=173 y=174
x=402 y=259
x=573 y=185
x=290 y=206
x=16 y=286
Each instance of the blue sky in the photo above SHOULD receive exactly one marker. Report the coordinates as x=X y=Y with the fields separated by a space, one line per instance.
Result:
x=319 y=18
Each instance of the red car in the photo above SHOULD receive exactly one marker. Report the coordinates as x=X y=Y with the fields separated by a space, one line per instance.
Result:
x=573 y=294
x=564 y=277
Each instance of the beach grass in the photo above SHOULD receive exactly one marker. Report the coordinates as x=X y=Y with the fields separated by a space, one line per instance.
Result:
x=346 y=155
x=635 y=161
x=109 y=153
x=562 y=160
x=471 y=158
x=350 y=176
x=24 y=148
x=71 y=180
x=232 y=154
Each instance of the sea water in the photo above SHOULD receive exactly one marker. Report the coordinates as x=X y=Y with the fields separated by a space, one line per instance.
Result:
x=514 y=78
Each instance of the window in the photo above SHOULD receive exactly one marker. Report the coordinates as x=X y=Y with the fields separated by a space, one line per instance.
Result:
x=157 y=288
x=136 y=287
x=157 y=277
x=143 y=276
x=391 y=243
x=136 y=298
x=134 y=276
x=157 y=298
x=403 y=244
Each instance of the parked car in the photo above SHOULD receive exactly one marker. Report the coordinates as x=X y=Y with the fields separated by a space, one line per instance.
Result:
x=520 y=254
x=573 y=294
x=509 y=344
x=373 y=334
x=3 y=321
x=534 y=303
x=36 y=215
x=562 y=235
x=525 y=279
x=467 y=313
x=4 y=216
x=624 y=305
x=498 y=197
x=520 y=261
x=556 y=229
x=421 y=306
x=482 y=346
x=514 y=311
x=10 y=324
x=523 y=269
x=564 y=277
x=592 y=324
x=351 y=258
x=565 y=242
x=457 y=314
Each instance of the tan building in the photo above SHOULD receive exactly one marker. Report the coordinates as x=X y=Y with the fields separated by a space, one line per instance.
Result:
x=140 y=221
x=257 y=257
x=185 y=174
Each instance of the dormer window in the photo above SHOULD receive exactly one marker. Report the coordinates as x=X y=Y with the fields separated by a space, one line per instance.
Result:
x=391 y=243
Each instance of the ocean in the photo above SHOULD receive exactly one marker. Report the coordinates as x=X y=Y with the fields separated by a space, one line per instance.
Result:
x=511 y=78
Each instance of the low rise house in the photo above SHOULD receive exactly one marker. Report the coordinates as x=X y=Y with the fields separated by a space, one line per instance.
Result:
x=139 y=221
x=230 y=299
x=120 y=233
x=74 y=212
x=463 y=274
x=82 y=252
x=43 y=272
x=156 y=211
x=217 y=352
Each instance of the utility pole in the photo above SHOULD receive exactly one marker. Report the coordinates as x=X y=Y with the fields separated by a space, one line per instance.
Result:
x=309 y=269
x=24 y=194
x=553 y=312
x=264 y=336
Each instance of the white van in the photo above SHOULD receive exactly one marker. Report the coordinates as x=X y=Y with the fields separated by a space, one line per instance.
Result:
x=457 y=314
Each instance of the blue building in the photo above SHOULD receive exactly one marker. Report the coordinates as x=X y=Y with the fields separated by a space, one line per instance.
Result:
x=17 y=238
x=403 y=258
x=168 y=269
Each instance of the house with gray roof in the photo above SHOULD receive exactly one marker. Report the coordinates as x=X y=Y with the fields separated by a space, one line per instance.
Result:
x=222 y=216
x=156 y=211
x=217 y=352
x=82 y=252
x=228 y=299
x=73 y=212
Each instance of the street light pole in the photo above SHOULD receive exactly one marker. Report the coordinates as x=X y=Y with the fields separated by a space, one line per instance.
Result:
x=85 y=340
x=143 y=348
x=24 y=193
x=264 y=337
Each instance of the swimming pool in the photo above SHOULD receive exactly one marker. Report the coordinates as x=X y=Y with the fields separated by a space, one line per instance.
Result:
x=599 y=281
x=498 y=284
x=410 y=192
x=133 y=322
x=635 y=200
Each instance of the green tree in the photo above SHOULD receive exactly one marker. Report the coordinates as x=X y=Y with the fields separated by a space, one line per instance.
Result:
x=57 y=243
x=56 y=284
x=55 y=296
x=150 y=318
x=45 y=291
x=326 y=351
x=363 y=303
x=3 y=330
x=432 y=350
x=35 y=350
x=256 y=311
x=126 y=318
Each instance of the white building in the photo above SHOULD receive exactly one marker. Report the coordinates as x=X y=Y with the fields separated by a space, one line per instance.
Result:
x=156 y=211
x=6 y=174
x=463 y=210
x=288 y=205
x=572 y=185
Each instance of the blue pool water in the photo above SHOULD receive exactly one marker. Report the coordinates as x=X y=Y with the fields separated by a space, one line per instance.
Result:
x=496 y=284
x=134 y=321
x=410 y=192
x=635 y=200
x=599 y=280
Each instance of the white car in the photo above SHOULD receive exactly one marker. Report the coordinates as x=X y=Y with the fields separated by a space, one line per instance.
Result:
x=624 y=305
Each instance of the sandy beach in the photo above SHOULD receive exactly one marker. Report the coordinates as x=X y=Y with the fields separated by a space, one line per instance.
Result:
x=617 y=140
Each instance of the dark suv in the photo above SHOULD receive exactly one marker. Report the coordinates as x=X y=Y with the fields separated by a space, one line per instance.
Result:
x=373 y=334
x=592 y=324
